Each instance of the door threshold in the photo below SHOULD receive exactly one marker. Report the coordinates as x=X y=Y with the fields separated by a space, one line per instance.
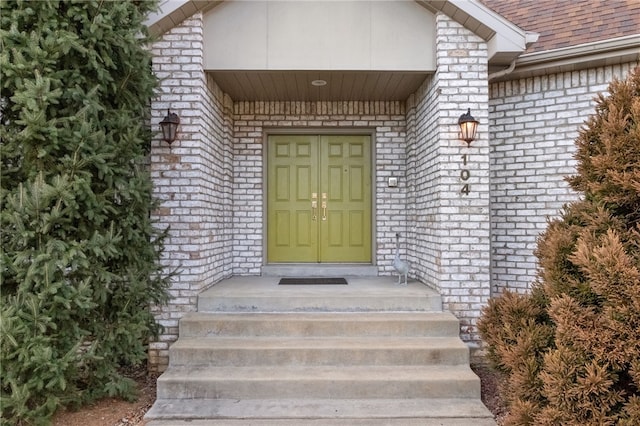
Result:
x=319 y=270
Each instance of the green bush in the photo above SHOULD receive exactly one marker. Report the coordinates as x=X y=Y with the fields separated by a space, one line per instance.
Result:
x=570 y=350
x=79 y=256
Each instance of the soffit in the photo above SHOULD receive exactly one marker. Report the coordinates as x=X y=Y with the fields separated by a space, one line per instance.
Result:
x=460 y=16
x=296 y=85
x=505 y=40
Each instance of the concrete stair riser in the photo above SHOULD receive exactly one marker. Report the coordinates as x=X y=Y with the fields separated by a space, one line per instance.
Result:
x=313 y=304
x=416 y=324
x=256 y=410
x=401 y=421
x=319 y=382
x=337 y=351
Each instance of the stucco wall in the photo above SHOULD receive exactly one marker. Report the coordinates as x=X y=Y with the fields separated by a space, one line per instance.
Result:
x=533 y=124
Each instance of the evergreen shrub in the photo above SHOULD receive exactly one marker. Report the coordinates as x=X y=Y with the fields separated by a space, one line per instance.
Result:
x=570 y=349
x=79 y=259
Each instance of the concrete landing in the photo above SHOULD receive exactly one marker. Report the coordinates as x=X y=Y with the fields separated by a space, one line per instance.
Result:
x=263 y=294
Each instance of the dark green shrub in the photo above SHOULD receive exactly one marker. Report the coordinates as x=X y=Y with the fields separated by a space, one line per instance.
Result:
x=79 y=256
x=570 y=350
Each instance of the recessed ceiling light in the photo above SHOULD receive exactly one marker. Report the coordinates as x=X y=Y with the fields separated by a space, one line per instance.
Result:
x=319 y=83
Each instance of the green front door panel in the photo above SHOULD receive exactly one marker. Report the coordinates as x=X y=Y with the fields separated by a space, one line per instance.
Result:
x=292 y=177
x=319 y=199
x=345 y=178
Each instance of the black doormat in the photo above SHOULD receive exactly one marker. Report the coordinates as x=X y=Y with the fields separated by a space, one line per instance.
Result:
x=312 y=281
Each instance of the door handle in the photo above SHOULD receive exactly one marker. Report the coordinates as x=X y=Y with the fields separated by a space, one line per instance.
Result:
x=324 y=206
x=314 y=206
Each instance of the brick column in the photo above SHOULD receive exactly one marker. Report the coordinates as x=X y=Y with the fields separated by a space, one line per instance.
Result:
x=192 y=177
x=451 y=228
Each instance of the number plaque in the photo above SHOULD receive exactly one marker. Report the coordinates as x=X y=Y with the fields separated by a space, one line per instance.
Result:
x=465 y=174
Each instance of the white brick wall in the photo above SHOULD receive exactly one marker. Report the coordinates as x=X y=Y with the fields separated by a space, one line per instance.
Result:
x=533 y=124
x=449 y=238
x=192 y=178
x=386 y=119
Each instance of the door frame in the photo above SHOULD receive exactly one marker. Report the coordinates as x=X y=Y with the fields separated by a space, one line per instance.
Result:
x=319 y=131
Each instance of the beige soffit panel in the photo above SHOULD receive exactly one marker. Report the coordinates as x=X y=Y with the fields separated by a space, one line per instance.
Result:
x=320 y=35
x=505 y=40
x=171 y=13
x=340 y=85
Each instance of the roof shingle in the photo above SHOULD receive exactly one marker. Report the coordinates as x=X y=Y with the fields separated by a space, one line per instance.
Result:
x=563 y=23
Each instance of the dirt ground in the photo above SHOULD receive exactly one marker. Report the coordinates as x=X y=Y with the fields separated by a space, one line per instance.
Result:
x=490 y=392
x=114 y=412
x=111 y=411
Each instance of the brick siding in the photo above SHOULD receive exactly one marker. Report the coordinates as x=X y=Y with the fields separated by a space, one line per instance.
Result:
x=192 y=178
x=449 y=238
x=252 y=119
x=533 y=124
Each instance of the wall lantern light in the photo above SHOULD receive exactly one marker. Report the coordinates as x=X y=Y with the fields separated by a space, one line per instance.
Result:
x=468 y=127
x=169 y=126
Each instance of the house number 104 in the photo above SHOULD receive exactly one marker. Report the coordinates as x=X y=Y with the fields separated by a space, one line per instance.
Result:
x=465 y=175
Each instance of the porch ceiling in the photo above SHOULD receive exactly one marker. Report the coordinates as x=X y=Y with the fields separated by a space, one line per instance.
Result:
x=296 y=85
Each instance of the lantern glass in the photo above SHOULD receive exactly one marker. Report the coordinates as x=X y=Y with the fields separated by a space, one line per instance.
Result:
x=169 y=126
x=468 y=127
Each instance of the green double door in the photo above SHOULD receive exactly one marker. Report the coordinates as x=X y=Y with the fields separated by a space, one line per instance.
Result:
x=319 y=199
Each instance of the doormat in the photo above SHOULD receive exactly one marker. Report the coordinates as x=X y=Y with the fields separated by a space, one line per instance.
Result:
x=312 y=281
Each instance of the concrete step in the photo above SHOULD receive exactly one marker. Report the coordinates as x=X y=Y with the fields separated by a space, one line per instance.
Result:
x=352 y=382
x=366 y=353
x=297 y=351
x=362 y=294
x=317 y=324
x=402 y=421
x=418 y=411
